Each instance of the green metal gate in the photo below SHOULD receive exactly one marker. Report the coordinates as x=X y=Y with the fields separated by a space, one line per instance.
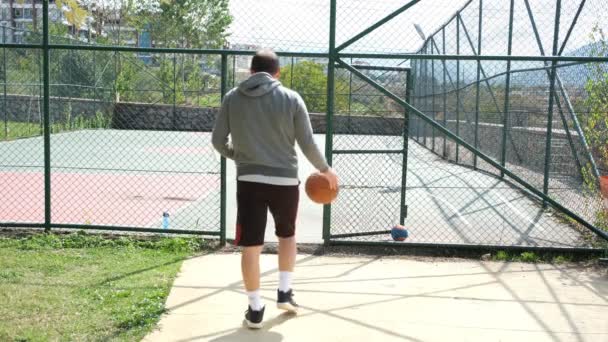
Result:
x=374 y=175
x=365 y=208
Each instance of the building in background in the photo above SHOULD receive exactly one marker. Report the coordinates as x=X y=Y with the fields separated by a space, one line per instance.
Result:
x=19 y=18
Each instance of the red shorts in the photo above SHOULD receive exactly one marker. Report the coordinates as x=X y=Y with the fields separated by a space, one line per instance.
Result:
x=254 y=200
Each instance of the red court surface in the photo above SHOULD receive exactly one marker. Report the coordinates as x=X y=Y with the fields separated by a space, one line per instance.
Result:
x=100 y=199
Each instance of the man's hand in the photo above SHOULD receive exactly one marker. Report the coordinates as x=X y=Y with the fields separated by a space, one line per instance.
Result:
x=332 y=177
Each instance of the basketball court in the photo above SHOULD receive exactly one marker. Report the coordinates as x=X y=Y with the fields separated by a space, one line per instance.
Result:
x=129 y=178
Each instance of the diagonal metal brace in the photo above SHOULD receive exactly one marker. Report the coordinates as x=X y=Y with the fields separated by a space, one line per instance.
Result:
x=376 y=25
x=472 y=149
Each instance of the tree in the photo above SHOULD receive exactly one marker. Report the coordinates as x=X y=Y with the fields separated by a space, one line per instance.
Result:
x=172 y=90
x=187 y=23
x=74 y=13
x=172 y=23
x=74 y=71
x=595 y=123
x=126 y=78
x=310 y=81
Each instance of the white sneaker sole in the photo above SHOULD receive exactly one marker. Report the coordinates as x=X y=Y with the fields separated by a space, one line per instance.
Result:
x=287 y=307
x=252 y=325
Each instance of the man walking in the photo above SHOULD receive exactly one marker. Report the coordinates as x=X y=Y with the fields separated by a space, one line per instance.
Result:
x=264 y=120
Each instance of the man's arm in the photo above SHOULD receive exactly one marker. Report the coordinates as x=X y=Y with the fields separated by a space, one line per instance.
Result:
x=306 y=141
x=221 y=130
x=305 y=138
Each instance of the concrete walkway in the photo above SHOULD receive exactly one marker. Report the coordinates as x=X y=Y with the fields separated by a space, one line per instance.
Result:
x=392 y=299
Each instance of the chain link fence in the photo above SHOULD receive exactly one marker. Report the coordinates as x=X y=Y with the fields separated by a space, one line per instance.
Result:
x=134 y=89
x=503 y=107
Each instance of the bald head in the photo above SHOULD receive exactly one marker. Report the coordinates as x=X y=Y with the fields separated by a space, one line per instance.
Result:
x=265 y=61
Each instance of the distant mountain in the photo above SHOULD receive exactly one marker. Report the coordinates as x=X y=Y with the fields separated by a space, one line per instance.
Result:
x=571 y=76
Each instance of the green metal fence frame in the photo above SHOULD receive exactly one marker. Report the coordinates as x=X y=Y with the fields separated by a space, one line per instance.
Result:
x=556 y=57
x=336 y=56
x=45 y=47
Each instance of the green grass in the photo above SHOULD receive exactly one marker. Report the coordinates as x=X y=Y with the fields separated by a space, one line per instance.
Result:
x=529 y=257
x=502 y=256
x=15 y=130
x=532 y=257
x=209 y=100
x=562 y=259
x=520 y=257
x=86 y=287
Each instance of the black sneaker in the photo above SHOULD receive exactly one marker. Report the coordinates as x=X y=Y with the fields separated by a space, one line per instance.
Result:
x=254 y=318
x=285 y=301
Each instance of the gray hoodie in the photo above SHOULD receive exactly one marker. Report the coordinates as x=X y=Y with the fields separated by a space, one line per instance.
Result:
x=264 y=120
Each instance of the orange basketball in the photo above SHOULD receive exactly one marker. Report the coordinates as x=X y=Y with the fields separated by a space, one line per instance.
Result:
x=317 y=189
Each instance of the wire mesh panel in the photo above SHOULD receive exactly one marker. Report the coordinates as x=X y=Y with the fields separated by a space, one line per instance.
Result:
x=517 y=112
x=21 y=145
x=147 y=155
x=368 y=152
x=370 y=194
x=134 y=88
x=451 y=204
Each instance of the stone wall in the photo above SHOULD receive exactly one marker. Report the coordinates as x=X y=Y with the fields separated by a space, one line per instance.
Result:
x=525 y=145
x=166 y=117
x=143 y=116
x=24 y=108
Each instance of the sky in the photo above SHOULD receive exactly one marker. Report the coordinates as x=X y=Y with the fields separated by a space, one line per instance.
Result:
x=303 y=25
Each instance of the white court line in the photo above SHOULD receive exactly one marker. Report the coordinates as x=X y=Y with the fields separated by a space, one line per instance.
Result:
x=519 y=213
x=456 y=211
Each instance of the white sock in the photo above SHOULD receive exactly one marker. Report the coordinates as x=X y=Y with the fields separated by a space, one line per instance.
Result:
x=285 y=281
x=255 y=300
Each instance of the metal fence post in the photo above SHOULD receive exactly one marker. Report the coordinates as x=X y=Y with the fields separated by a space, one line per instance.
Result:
x=505 y=115
x=173 y=120
x=4 y=75
x=417 y=86
x=477 y=94
x=47 y=118
x=433 y=110
x=330 y=110
x=551 y=97
x=413 y=69
x=223 y=195
x=445 y=98
x=406 y=119
x=350 y=96
x=457 y=84
x=424 y=93
x=418 y=89
x=233 y=71
x=95 y=93
x=41 y=94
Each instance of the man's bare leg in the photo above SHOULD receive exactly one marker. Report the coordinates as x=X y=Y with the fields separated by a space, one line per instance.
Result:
x=287 y=261
x=250 y=267
x=287 y=254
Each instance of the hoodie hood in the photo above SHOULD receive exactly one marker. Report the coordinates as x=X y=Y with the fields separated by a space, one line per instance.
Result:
x=258 y=84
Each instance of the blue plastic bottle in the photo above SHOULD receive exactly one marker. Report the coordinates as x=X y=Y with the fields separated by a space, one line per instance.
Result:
x=165 y=220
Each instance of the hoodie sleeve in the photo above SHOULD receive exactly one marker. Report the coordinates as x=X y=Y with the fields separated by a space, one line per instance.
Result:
x=305 y=138
x=221 y=130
